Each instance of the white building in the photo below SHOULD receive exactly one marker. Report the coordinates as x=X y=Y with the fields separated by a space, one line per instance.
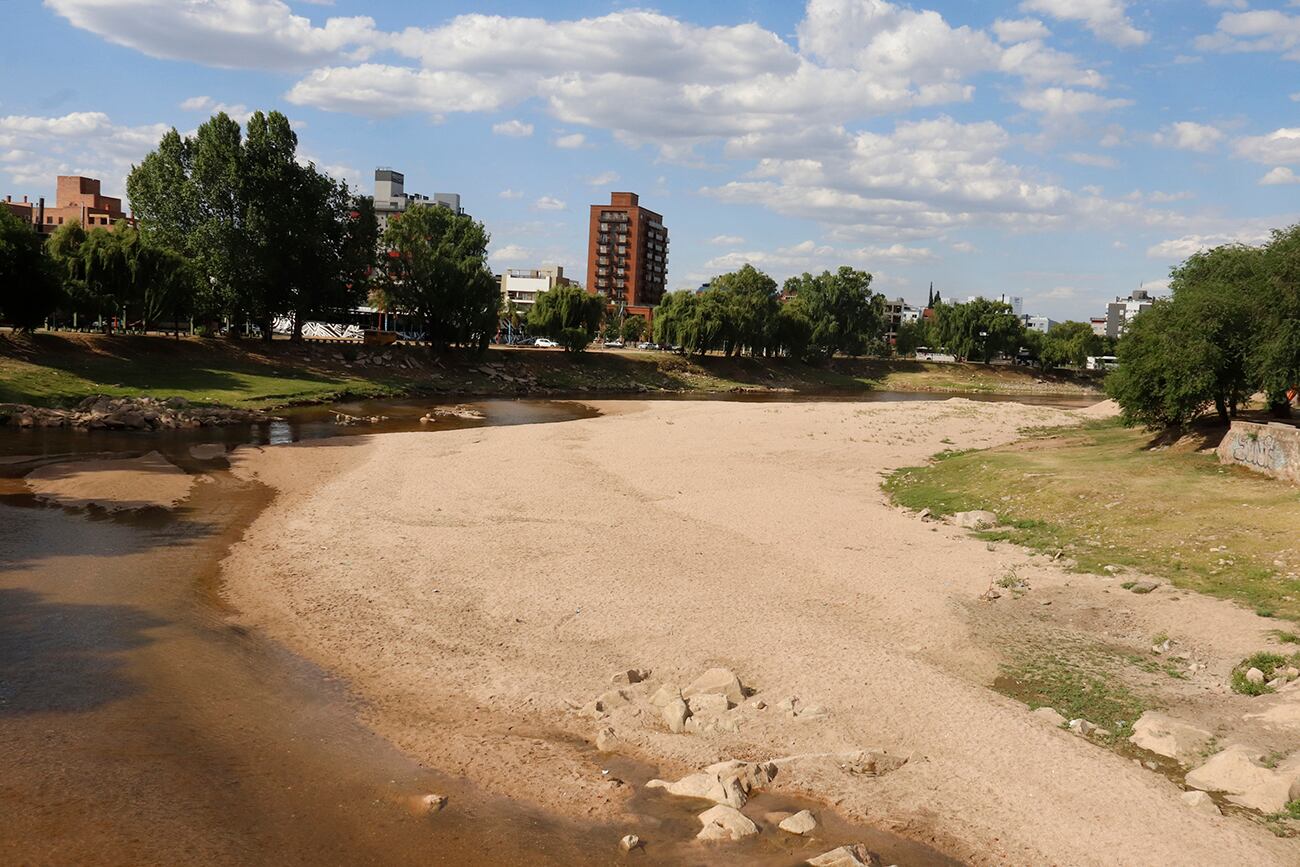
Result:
x=897 y=313
x=391 y=197
x=1038 y=323
x=1015 y=302
x=1121 y=311
x=521 y=286
x=1098 y=325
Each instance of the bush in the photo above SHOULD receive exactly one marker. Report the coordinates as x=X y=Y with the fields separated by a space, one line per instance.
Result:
x=573 y=339
x=1268 y=663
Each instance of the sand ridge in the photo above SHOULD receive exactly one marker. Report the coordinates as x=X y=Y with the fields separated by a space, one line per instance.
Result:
x=480 y=586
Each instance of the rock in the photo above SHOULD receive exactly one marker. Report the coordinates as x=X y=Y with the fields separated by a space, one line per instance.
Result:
x=606 y=739
x=856 y=855
x=758 y=704
x=1143 y=586
x=1293 y=793
x=674 y=714
x=800 y=823
x=702 y=785
x=976 y=520
x=925 y=514
x=725 y=823
x=632 y=675
x=1276 y=683
x=1050 y=715
x=1082 y=727
x=1201 y=803
x=717 y=680
x=612 y=699
x=788 y=704
x=1240 y=773
x=708 y=705
x=1169 y=737
x=813 y=712
x=664 y=695
x=1254 y=675
x=630 y=842
x=433 y=803
x=748 y=775
x=1291 y=672
x=873 y=763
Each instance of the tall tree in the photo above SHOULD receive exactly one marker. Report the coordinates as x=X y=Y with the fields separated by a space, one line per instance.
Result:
x=568 y=314
x=436 y=270
x=845 y=315
x=29 y=284
x=978 y=329
x=1275 y=361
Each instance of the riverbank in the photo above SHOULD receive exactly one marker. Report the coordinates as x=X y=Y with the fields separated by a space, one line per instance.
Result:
x=61 y=369
x=489 y=621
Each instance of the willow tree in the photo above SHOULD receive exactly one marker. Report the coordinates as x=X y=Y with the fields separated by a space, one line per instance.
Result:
x=569 y=314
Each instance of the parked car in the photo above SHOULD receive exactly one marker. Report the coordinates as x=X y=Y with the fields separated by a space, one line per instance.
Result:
x=647 y=345
x=546 y=342
x=613 y=344
x=523 y=341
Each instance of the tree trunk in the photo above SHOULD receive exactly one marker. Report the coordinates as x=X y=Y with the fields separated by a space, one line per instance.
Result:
x=296 y=337
x=1221 y=407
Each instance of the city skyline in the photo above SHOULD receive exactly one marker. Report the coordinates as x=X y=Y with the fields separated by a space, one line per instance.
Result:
x=1063 y=152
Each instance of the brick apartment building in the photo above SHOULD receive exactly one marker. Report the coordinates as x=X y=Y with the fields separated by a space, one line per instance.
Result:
x=76 y=198
x=627 y=254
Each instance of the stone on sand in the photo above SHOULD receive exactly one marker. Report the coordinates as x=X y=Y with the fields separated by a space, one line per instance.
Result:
x=1169 y=737
x=674 y=714
x=432 y=803
x=800 y=823
x=630 y=842
x=1240 y=773
x=725 y=823
x=1254 y=675
x=708 y=705
x=606 y=739
x=665 y=694
x=721 y=681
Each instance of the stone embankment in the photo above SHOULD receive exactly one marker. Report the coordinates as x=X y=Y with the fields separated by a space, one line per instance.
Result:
x=101 y=412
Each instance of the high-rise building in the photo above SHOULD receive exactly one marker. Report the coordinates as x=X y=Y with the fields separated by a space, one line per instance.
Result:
x=1121 y=311
x=391 y=197
x=76 y=199
x=521 y=286
x=627 y=254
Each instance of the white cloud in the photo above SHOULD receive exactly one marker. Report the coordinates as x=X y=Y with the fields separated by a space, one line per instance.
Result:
x=375 y=90
x=513 y=128
x=1189 y=136
x=571 y=141
x=1279 y=146
x=510 y=194
x=603 y=179
x=1279 y=177
x=1260 y=30
x=240 y=113
x=727 y=240
x=510 y=254
x=963 y=247
x=1057 y=293
x=549 y=203
x=1177 y=249
x=1065 y=103
x=1020 y=30
x=1099 y=161
x=33 y=150
x=235 y=34
x=1107 y=19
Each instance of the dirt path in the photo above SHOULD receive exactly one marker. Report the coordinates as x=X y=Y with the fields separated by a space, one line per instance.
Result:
x=481 y=587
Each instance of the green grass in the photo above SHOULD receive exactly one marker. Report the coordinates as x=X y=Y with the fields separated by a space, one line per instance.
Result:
x=1101 y=497
x=1266 y=662
x=1082 y=685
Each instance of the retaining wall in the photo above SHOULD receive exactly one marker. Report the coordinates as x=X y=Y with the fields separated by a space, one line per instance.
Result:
x=1272 y=449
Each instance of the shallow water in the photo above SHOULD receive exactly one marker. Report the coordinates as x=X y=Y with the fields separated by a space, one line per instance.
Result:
x=141 y=725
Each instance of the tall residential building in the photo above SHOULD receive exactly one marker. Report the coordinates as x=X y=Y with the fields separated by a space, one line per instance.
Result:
x=522 y=286
x=1038 y=323
x=1015 y=302
x=1121 y=311
x=76 y=198
x=627 y=254
x=391 y=197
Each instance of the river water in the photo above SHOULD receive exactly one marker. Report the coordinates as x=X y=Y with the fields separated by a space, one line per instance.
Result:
x=140 y=725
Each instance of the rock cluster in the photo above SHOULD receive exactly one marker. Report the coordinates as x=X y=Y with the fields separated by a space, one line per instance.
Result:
x=729 y=783
x=102 y=412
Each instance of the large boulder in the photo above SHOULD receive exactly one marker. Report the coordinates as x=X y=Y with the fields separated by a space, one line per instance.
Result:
x=856 y=855
x=721 y=681
x=1240 y=773
x=725 y=823
x=800 y=823
x=1169 y=737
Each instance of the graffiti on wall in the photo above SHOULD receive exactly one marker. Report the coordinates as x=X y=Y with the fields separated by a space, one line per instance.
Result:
x=1260 y=450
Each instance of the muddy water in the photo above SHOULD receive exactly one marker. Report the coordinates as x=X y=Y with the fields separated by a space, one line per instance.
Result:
x=138 y=725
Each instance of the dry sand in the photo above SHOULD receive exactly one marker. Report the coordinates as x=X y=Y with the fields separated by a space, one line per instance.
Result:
x=477 y=587
x=116 y=485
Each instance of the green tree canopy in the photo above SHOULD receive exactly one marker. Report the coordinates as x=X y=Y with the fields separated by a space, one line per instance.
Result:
x=436 y=270
x=978 y=329
x=843 y=314
x=568 y=314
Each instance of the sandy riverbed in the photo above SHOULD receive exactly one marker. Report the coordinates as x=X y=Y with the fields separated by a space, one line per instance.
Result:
x=479 y=588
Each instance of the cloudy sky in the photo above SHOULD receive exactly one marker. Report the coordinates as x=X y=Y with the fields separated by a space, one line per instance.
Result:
x=1063 y=150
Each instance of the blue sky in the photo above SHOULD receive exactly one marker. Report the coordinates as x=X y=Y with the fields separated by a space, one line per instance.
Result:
x=1062 y=150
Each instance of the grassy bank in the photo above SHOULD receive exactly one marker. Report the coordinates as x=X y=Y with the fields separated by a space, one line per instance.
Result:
x=59 y=369
x=1100 y=495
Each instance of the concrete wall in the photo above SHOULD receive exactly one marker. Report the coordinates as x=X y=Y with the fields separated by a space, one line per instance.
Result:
x=1272 y=449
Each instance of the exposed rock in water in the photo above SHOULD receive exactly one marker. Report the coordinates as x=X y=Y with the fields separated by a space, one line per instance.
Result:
x=728 y=783
x=433 y=803
x=725 y=823
x=856 y=855
x=630 y=842
x=800 y=823
x=102 y=412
